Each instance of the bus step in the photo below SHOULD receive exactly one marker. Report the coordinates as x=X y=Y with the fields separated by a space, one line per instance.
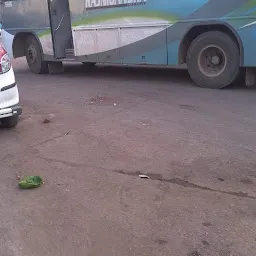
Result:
x=69 y=53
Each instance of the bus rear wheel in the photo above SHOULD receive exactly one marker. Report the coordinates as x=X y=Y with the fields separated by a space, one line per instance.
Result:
x=34 y=56
x=213 y=60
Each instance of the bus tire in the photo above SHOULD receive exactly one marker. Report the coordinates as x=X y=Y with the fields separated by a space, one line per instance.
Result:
x=213 y=60
x=34 y=56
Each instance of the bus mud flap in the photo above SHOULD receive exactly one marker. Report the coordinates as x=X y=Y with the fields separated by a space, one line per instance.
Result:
x=55 y=67
x=250 y=77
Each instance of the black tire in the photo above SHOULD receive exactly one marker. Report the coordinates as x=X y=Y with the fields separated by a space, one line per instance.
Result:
x=227 y=59
x=10 y=122
x=34 y=56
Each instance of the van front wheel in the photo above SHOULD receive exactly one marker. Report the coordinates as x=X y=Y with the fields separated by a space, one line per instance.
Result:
x=213 y=60
x=10 y=122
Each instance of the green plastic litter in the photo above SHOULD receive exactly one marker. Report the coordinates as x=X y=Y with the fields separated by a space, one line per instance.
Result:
x=30 y=182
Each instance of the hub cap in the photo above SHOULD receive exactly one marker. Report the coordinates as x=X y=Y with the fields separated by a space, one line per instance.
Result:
x=31 y=54
x=212 y=61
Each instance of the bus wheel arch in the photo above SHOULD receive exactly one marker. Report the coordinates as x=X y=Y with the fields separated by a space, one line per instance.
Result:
x=19 y=44
x=196 y=30
x=22 y=43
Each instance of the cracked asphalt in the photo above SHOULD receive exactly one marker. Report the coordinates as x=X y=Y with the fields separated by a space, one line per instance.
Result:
x=90 y=135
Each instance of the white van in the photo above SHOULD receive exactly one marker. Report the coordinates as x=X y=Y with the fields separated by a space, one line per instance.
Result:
x=9 y=94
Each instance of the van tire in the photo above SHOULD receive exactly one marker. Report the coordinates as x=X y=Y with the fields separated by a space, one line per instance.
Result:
x=10 y=122
x=213 y=60
x=34 y=56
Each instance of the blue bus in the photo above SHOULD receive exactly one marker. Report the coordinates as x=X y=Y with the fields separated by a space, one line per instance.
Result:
x=215 y=38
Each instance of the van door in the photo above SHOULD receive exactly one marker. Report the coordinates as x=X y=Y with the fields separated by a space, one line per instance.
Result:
x=60 y=20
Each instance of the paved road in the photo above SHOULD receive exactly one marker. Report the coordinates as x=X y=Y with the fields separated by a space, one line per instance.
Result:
x=106 y=127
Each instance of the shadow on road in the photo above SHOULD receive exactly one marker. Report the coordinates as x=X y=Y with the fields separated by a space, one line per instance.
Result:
x=178 y=75
x=129 y=72
x=151 y=74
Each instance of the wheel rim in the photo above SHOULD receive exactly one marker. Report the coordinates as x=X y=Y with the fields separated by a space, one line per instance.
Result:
x=212 y=61
x=31 y=55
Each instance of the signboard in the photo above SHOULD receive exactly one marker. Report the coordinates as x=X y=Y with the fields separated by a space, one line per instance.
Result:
x=8 y=4
x=96 y=4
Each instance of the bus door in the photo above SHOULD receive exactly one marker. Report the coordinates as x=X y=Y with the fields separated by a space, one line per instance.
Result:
x=60 y=21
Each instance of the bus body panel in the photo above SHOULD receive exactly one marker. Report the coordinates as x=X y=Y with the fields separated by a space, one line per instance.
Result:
x=133 y=31
x=25 y=16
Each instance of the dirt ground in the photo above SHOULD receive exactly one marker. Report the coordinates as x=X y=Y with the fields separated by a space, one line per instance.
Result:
x=103 y=129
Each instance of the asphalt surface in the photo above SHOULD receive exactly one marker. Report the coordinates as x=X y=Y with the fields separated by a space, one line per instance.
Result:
x=91 y=134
